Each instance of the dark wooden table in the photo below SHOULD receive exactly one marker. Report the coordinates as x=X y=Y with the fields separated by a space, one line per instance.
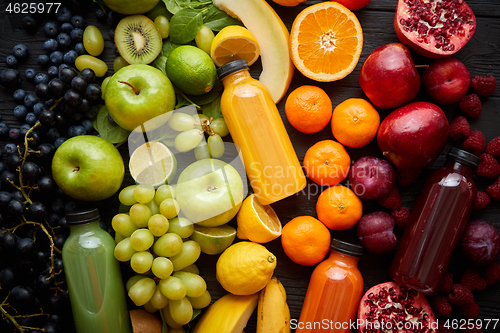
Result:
x=482 y=57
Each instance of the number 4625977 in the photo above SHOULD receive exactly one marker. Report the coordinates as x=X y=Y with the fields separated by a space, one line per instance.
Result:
x=32 y=7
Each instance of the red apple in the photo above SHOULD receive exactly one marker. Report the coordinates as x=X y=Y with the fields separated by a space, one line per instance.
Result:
x=371 y=178
x=388 y=76
x=413 y=135
x=446 y=80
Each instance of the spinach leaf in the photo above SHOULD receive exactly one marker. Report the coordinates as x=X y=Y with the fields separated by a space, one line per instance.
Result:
x=185 y=24
x=174 y=6
x=205 y=98
x=109 y=132
x=161 y=61
x=216 y=19
x=158 y=10
x=212 y=109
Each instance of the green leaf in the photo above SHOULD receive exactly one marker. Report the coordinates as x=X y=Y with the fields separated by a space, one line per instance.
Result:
x=161 y=61
x=216 y=19
x=185 y=24
x=212 y=109
x=205 y=98
x=158 y=10
x=109 y=132
x=174 y=6
x=101 y=4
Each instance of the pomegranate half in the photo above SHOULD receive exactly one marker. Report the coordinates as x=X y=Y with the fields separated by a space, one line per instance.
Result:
x=434 y=29
x=390 y=307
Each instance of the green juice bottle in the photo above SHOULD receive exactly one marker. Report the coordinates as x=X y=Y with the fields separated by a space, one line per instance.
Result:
x=93 y=276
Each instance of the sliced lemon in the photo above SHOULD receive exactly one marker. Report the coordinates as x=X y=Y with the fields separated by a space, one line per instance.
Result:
x=256 y=222
x=152 y=163
x=214 y=240
x=234 y=42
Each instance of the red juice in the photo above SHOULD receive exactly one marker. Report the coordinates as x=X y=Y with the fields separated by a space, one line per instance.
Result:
x=436 y=224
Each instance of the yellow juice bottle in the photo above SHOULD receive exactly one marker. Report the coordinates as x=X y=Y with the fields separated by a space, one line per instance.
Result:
x=256 y=127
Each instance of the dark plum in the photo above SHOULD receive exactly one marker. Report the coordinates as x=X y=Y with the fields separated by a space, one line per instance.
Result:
x=375 y=232
x=481 y=242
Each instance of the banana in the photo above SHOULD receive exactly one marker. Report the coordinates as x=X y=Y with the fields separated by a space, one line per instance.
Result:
x=273 y=39
x=229 y=314
x=273 y=314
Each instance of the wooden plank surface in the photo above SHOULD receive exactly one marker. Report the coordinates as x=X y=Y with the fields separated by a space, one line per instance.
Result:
x=481 y=55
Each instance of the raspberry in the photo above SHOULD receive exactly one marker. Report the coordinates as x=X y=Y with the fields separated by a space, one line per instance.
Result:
x=446 y=286
x=493 y=147
x=401 y=217
x=473 y=280
x=482 y=200
x=470 y=311
x=489 y=166
x=470 y=105
x=441 y=306
x=392 y=201
x=484 y=86
x=407 y=177
x=474 y=143
x=459 y=129
x=460 y=295
x=494 y=190
x=492 y=273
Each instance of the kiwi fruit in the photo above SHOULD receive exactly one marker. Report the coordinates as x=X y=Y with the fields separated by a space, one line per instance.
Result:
x=138 y=39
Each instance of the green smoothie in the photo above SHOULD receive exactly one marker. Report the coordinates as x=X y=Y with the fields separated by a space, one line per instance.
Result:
x=93 y=276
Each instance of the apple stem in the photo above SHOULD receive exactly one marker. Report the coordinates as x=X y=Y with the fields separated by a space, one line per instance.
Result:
x=76 y=169
x=210 y=189
x=131 y=86
x=421 y=66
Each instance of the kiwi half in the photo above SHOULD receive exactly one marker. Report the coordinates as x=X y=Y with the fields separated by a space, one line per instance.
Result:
x=138 y=39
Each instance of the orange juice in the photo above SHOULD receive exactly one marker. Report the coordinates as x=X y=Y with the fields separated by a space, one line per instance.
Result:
x=257 y=129
x=334 y=292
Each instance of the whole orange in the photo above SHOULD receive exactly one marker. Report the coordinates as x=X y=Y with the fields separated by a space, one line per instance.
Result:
x=308 y=109
x=305 y=240
x=355 y=122
x=353 y=4
x=327 y=162
x=339 y=208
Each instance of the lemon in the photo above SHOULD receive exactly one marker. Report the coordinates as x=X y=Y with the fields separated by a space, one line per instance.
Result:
x=191 y=70
x=245 y=268
x=234 y=42
x=214 y=240
x=152 y=163
x=256 y=222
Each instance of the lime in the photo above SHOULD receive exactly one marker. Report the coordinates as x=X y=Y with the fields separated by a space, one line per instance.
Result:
x=191 y=70
x=214 y=240
x=152 y=163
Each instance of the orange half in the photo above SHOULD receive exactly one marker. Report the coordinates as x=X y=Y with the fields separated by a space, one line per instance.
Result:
x=326 y=40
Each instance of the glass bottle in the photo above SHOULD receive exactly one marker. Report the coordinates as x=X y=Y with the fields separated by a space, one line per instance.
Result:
x=256 y=127
x=334 y=292
x=93 y=276
x=436 y=224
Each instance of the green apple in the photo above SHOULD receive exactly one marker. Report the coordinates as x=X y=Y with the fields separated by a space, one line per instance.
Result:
x=131 y=7
x=209 y=192
x=88 y=168
x=137 y=94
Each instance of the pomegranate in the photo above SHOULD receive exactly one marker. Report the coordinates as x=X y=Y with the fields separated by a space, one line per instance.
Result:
x=390 y=307
x=434 y=29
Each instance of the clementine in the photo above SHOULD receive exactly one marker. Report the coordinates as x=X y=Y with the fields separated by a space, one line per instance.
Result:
x=355 y=122
x=305 y=240
x=308 y=109
x=326 y=40
x=327 y=162
x=339 y=208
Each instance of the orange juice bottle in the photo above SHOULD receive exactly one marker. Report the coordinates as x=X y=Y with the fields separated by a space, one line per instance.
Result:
x=334 y=292
x=256 y=127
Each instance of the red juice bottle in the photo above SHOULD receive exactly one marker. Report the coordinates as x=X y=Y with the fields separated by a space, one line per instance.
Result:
x=436 y=224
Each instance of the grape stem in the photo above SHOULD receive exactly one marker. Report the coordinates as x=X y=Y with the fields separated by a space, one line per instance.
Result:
x=207 y=128
x=12 y=318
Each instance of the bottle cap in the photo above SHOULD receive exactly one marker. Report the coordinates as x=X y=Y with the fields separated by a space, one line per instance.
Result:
x=231 y=67
x=464 y=157
x=346 y=248
x=82 y=216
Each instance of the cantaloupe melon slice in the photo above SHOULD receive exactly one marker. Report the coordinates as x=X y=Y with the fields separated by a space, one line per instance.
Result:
x=273 y=38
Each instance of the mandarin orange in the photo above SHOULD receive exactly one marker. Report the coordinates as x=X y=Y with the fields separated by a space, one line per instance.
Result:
x=327 y=162
x=339 y=208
